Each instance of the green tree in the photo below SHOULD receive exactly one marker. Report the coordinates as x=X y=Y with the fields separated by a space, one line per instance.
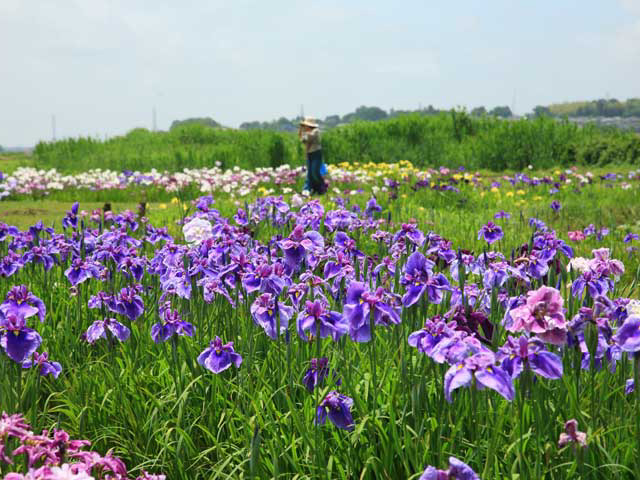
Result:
x=205 y=121
x=540 y=111
x=503 y=112
x=479 y=111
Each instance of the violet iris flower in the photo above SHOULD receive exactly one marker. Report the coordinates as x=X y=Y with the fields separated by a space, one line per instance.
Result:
x=372 y=206
x=39 y=255
x=594 y=283
x=317 y=373
x=20 y=302
x=457 y=470
x=217 y=357
x=81 y=270
x=502 y=214
x=483 y=367
x=630 y=237
x=266 y=310
x=410 y=231
x=128 y=302
x=266 y=278
x=520 y=353
x=346 y=244
x=42 y=362
x=19 y=341
x=628 y=335
x=10 y=264
x=439 y=340
x=71 y=218
x=314 y=315
x=171 y=324
x=338 y=408
x=359 y=304
x=490 y=232
x=418 y=279
x=99 y=329
x=555 y=206
x=298 y=244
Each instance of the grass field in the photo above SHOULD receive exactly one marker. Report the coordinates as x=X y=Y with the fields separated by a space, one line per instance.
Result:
x=165 y=402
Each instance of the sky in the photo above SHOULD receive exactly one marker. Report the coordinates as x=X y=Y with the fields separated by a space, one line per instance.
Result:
x=102 y=66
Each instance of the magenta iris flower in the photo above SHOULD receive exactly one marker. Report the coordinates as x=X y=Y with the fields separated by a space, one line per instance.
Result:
x=217 y=357
x=457 y=470
x=490 y=232
x=18 y=341
x=338 y=408
x=541 y=315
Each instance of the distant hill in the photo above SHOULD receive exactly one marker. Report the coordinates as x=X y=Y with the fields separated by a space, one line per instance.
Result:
x=595 y=108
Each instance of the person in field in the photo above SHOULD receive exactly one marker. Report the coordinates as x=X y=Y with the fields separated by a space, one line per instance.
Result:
x=309 y=133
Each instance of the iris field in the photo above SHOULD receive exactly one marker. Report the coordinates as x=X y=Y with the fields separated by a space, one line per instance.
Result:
x=412 y=323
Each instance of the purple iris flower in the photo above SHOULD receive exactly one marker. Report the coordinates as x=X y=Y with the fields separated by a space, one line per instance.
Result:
x=8 y=230
x=99 y=329
x=71 y=218
x=21 y=303
x=171 y=324
x=266 y=278
x=298 y=244
x=41 y=360
x=314 y=315
x=154 y=235
x=81 y=270
x=537 y=224
x=522 y=352
x=128 y=302
x=19 y=341
x=490 y=232
x=266 y=311
x=631 y=237
x=241 y=218
x=338 y=408
x=628 y=335
x=372 y=206
x=217 y=357
x=437 y=339
x=347 y=245
x=133 y=266
x=39 y=255
x=213 y=286
x=483 y=367
x=359 y=304
x=418 y=279
x=502 y=214
x=317 y=373
x=411 y=232
x=594 y=284
x=629 y=387
x=555 y=206
x=10 y=264
x=457 y=470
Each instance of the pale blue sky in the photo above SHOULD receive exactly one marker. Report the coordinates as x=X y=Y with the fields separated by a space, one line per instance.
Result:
x=100 y=66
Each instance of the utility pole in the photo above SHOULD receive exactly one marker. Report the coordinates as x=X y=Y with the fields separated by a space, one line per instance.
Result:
x=301 y=111
x=53 y=127
x=155 y=126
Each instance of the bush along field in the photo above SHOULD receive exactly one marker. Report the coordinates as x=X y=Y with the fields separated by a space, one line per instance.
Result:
x=425 y=140
x=410 y=324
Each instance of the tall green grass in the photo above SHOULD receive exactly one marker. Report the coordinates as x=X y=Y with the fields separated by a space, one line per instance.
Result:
x=446 y=139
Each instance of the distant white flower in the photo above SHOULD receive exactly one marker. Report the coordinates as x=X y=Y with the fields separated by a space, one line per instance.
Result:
x=197 y=230
x=633 y=308
x=297 y=201
x=306 y=193
x=579 y=264
x=65 y=473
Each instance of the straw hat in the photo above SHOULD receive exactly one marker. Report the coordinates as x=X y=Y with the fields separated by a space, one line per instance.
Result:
x=309 y=122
